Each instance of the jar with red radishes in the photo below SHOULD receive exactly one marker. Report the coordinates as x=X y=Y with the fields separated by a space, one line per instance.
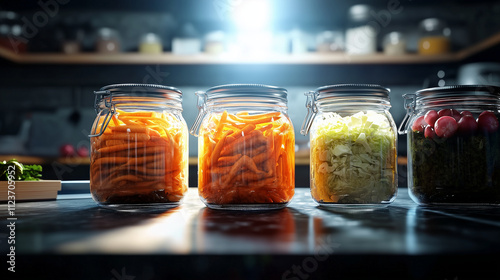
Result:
x=453 y=145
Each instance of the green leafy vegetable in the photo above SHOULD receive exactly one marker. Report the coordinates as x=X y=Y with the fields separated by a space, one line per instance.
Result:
x=353 y=158
x=22 y=172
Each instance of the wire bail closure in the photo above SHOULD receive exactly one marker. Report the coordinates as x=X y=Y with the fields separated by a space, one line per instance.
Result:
x=312 y=110
x=409 y=103
x=202 y=101
x=108 y=104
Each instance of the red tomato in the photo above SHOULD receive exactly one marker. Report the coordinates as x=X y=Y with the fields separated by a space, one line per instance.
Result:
x=419 y=124
x=429 y=132
x=83 y=151
x=466 y=113
x=446 y=126
x=488 y=122
x=431 y=117
x=67 y=150
x=467 y=125
x=444 y=112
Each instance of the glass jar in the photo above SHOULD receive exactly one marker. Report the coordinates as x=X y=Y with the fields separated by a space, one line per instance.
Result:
x=150 y=44
x=453 y=145
x=361 y=35
x=139 y=147
x=108 y=41
x=434 y=37
x=330 y=41
x=353 y=145
x=246 y=154
x=394 y=43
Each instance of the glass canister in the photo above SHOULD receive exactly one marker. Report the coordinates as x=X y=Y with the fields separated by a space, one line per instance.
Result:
x=453 y=145
x=434 y=37
x=139 y=147
x=246 y=154
x=361 y=35
x=353 y=145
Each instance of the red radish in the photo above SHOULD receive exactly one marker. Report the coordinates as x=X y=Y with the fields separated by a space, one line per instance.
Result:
x=67 y=150
x=419 y=124
x=455 y=114
x=83 y=151
x=466 y=113
x=446 y=126
x=467 y=125
x=445 y=112
x=488 y=122
x=431 y=117
x=429 y=132
x=486 y=112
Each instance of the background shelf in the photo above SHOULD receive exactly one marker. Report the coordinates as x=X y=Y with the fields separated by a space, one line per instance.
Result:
x=302 y=59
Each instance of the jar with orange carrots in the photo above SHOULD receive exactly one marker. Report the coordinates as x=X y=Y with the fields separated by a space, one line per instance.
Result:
x=139 y=147
x=246 y=154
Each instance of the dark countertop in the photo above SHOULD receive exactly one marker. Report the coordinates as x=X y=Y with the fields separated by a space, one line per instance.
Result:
x=79 y=240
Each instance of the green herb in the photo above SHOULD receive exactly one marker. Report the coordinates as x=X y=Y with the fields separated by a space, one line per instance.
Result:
x=22 y=172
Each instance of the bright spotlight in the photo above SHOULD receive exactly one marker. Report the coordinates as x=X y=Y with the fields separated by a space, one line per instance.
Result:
x=251 y=15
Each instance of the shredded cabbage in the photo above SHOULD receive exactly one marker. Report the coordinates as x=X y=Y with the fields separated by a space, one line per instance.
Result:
x=353 y=158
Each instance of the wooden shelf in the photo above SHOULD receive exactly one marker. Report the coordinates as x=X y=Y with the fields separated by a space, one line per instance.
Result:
x=200 y=59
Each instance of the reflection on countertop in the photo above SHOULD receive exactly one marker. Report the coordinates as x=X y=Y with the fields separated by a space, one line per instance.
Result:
x=80 y=226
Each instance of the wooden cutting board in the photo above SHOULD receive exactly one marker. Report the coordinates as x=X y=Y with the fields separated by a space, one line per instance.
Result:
x=30 y=190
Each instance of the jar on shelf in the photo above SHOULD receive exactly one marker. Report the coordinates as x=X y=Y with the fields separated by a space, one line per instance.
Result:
x=215 y=42
x=453 y=145
x=330 y=41
x=246 y=147
x=394 y=43
x=139 y=147
x=108 y=41
x=353 y=145
x=150 y=44
x=434 y=37
x=361 y=36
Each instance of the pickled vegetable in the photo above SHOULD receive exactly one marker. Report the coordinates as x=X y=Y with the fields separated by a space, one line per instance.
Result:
x=140 y=158
x=353 y=159
x=460 y=163
x=246 y=159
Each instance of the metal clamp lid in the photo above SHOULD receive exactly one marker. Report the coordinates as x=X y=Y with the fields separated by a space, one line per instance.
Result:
x=202 y=101
x=312 y=110
x=409 y=103
x=111 y=111
x=225 y=95
x=107 y=93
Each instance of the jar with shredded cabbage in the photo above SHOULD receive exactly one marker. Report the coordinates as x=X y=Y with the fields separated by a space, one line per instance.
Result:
x=353 y=145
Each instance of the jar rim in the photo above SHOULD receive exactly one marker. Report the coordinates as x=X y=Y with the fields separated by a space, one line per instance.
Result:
x=353 y=90
x=165 y=93
x=460 y=89
x=247 y=90
x=151 y=88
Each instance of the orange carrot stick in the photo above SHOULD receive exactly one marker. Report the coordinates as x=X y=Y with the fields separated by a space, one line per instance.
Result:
x=260 y=158
x=247 y=129
x=126 y=136
x=228 y=160
x=244 y=161
x=220 y=126
x=130 y=128
x=255 y=137
x=218 y=147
